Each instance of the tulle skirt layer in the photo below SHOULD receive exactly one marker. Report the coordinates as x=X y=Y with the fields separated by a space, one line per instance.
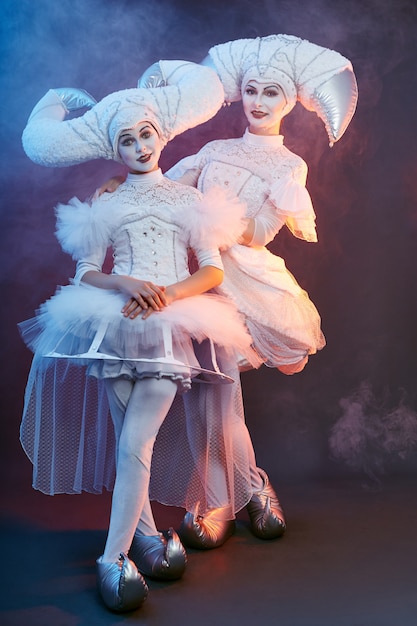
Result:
x=85 y=324
x=202 y=455
x=284 y=323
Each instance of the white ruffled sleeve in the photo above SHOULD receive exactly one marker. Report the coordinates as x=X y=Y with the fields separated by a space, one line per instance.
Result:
x=209 y=257
x=84 y=232
x=293 y=204
x=81 y=227
x=217 y=221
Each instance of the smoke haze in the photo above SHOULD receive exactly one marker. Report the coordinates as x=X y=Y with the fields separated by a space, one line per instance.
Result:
x=353 y=408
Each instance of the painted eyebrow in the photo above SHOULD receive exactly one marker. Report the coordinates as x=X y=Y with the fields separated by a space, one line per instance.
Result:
x=128 y=133
x=271 y=86
x=146 y=126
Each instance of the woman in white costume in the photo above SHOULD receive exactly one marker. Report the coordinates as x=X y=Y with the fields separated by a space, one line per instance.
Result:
x=269 y=74
x=146 y=340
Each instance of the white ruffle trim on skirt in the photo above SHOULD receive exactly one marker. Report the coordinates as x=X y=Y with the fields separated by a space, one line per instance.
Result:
x=284 y=323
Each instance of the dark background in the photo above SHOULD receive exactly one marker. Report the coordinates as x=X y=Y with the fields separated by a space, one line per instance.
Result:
x=352 y=411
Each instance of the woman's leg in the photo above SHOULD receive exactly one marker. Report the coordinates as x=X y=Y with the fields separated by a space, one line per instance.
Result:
x=215 y=526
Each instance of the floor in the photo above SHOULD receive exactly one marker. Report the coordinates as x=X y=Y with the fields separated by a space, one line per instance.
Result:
x=348 y=559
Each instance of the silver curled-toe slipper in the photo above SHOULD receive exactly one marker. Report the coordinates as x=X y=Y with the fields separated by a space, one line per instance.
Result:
x=208 y=531
x=158 y=557
x=265 y=511
x=120 y=584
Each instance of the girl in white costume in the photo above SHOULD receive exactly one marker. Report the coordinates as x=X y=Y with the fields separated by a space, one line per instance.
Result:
x=145 y=340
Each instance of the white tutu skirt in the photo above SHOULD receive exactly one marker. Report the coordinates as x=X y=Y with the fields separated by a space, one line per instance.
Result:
x=284 y=323
x=203 y=453
x=85 y=323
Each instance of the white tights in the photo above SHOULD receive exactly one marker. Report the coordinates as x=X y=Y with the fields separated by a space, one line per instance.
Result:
x=138 y=410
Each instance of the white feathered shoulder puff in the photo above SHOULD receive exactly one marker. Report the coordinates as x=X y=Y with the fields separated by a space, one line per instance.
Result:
x=81 y=228
x=218 y=221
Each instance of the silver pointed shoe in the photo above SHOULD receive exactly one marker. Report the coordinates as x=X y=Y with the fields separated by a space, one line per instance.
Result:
x=157 y=557
x=121 y=586
x=206 y=532
x=265 y=511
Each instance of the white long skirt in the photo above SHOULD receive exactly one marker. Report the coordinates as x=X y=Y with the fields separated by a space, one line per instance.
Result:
x=203 y=453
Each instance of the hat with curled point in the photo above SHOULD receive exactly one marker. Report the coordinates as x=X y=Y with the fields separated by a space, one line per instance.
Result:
x=322 y=80
x=192 y=95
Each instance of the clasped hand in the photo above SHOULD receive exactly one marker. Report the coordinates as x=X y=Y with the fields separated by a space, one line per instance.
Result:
x=144 y=297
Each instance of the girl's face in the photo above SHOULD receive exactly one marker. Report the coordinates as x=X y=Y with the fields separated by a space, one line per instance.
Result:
x=140 y=148
x=263 y=105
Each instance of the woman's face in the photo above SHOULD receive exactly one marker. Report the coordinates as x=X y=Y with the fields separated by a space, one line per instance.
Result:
x=140 y=148
x=263 y=104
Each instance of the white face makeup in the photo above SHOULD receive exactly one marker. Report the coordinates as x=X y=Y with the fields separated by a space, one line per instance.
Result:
x=140 y=148
x=263 y=105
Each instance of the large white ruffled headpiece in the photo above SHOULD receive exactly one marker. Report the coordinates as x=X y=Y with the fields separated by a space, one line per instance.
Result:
x=322 y=80
x=192 y=95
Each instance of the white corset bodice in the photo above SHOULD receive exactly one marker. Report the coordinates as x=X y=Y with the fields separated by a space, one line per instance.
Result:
x=148 y=218
x=150 y=248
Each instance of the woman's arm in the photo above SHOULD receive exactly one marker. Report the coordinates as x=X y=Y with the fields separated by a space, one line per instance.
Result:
x=109 y=186
x=293 y=202
x=263 y=228
x=188 y=169
x=246 y=237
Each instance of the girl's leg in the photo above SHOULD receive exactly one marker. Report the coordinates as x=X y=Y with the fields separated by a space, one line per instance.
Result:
x=293 y=368
x=118 y=393
x=138 y=410
x=149 y=402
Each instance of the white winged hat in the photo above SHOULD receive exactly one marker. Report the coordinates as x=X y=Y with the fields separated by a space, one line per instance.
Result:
x=322 y=80
x=192 y=95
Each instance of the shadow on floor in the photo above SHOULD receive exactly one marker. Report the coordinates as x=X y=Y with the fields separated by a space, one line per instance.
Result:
x=348 y=559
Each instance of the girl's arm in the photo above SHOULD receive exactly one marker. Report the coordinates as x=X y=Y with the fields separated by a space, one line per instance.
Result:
x=293 y=202
x=143 y=295
x=188 y=169
x=147 y=297
x=202 y=280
